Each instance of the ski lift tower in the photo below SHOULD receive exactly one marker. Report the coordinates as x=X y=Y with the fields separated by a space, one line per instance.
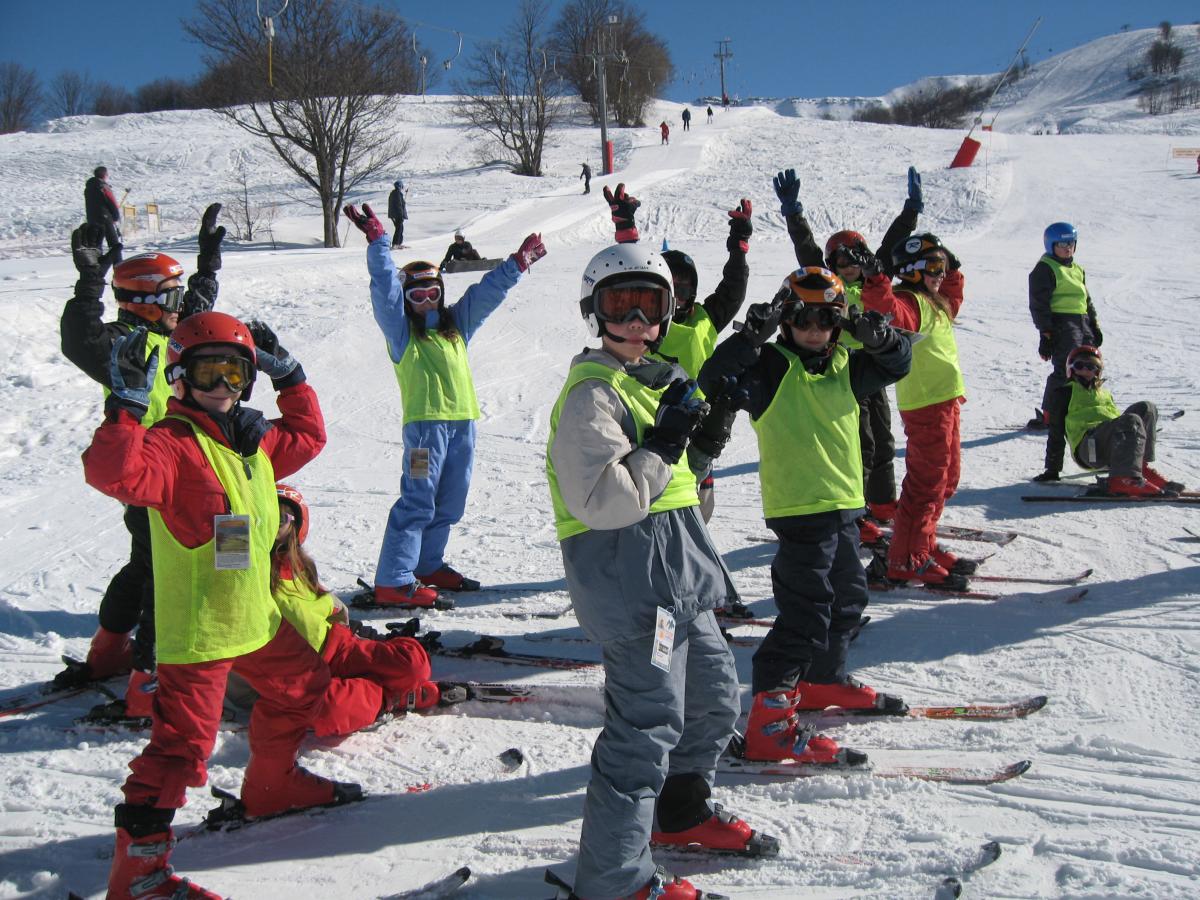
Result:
x=723 y=53
x=600 y=59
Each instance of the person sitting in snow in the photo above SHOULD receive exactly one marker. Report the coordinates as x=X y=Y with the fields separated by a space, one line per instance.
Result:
x=150 y=295
x=875 y=412
x=639 y=562
x=460 y=249
x=368 y=677
x=207 y=473
x=427 y=343
x=1100 y=436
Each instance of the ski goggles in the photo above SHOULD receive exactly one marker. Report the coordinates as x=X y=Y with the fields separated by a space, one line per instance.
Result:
x=1066 y=245
x=204 y=373
x=647 y=301
x=932 y=267
x=1085 y=365
x=685 y=291
x=169 y=300
x=843 y=260
x=417 y=296
x=808 y=316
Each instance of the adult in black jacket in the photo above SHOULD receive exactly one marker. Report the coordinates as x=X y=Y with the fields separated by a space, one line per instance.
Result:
x=101 y=209
x=460 y=249
x=397 y=212
x=150 y=295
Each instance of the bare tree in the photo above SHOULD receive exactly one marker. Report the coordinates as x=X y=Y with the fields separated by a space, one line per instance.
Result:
x=325 y=110
x=246 y=216
x=637 y=64
x=511 y=93
x=69 y=94
x=20 y=97
x=112 y=100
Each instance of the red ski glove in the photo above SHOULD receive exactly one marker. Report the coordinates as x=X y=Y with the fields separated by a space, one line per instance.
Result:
x=364 y=221
x=531 y=250
x=740 y=228
x=623 y=206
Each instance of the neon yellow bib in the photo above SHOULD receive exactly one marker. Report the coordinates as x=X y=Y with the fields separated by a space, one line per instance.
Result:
x=305 y=609
x=1087 y=409
x=1070 y=289
x=690 y=343
x=810 y=456
x=642 y=403
x=935 y=375
x=435 y=380
x=200 y=613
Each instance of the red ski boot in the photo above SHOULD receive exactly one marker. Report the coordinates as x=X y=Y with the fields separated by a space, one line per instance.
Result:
x=1152 y=477
x=446 y=579
x=405 y=595
x=848 y=694
x=924 y=569
x=952 y=563
x=869 y=534
x=772 y=733
x=1121 y=486
x=110 y=654
x=139 y=869
x=882 y=512
x=665 y=886
x=272 y=786
x=722 y=832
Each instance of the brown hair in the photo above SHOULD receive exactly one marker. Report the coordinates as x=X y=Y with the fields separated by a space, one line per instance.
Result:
x=303 y=568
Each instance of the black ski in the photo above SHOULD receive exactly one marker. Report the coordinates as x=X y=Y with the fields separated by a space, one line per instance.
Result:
x=492 y=649
x=44 y=694
x=945 y=774
x=951 y=886
x=435 y=890
x=1031 y=579
x=1187 y=499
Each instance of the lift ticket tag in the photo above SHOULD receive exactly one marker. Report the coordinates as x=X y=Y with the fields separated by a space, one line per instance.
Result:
x=231 y=542
x=664 y=640
x=418 y=462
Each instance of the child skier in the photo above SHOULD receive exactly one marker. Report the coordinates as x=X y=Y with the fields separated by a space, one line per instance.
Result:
x=875 y=412
x=802 y=394
x=1102 y=437
x=427 y=342
x=694 y=327
x=368 y=677
x=1065 y=318
x=207 y=474
x=927 y=300
x=149 y=292
x=644 y=578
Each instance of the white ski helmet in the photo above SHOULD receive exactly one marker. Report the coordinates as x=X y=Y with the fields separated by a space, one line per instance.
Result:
x=627 y=262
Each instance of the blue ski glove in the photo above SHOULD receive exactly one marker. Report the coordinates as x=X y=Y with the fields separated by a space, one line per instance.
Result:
x=679 y=411
x=270 y=357
x=130 y=373
x=787 y=189
x=916 y=200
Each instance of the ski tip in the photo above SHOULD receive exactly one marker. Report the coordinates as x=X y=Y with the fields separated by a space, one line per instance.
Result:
x=1036 y=703
x=949 y=889
x=1018 y=768
x=991 y=852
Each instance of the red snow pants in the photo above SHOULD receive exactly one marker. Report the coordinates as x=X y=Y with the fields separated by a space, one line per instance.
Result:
x=932 y=464
x=365 y=673
x=291 y=680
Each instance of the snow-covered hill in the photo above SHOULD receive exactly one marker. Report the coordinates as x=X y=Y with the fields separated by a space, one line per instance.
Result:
x=1109 y=808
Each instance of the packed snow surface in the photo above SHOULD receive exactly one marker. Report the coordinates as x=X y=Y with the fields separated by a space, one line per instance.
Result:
x=1111 y=805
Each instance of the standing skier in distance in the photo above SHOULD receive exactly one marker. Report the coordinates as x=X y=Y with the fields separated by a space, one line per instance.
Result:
x=665 y=130
x=1063 y=313
x=102 y=210
x=875 y=412
x=150 y=295
x=927 y=300
x=1100 y=436
x=686 y=115
x=644 y=578
x=586 y=175
x=427 y=343
x=802 y=393
x=397 y=212
x=207 y=473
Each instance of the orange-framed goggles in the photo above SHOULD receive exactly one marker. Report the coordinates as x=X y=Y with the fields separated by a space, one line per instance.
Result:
x=645 y=300
x=204 y=373
x=933 y=267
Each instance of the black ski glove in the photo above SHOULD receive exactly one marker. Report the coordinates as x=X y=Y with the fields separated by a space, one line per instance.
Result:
x=1046 y=345
x=867 y=261
x=89 y=262
x=131 y=374
x=740 y=228
x=1097 y=334
x=201 y=295
x=210 y=237
x=952 y=261
x=679 y=411
x=623 y=207
x=916 y=200
x=712 y=433
x=787 y=189
x=871 y=330
x=762 y=320
x=270 y=357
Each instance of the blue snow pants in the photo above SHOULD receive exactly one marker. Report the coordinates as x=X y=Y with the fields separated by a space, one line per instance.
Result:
x=431 y=501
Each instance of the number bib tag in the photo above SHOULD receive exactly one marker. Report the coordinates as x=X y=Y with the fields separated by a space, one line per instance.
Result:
x=664 y=640
x=231 y=542
x=418 y=462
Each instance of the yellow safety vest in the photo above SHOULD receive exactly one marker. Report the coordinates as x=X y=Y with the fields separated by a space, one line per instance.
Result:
x=435 y=380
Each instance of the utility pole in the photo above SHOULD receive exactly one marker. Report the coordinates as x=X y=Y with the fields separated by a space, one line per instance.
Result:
x=723 y=53
x=600 y=61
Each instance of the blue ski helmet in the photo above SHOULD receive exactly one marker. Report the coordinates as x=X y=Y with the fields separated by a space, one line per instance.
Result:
x=1059 y=233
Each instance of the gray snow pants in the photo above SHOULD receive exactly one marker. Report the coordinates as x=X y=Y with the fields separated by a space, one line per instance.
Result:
x=656 y=724
x=1123 y=444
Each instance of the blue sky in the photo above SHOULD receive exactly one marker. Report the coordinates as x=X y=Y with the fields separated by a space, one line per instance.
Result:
x=781 y=49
